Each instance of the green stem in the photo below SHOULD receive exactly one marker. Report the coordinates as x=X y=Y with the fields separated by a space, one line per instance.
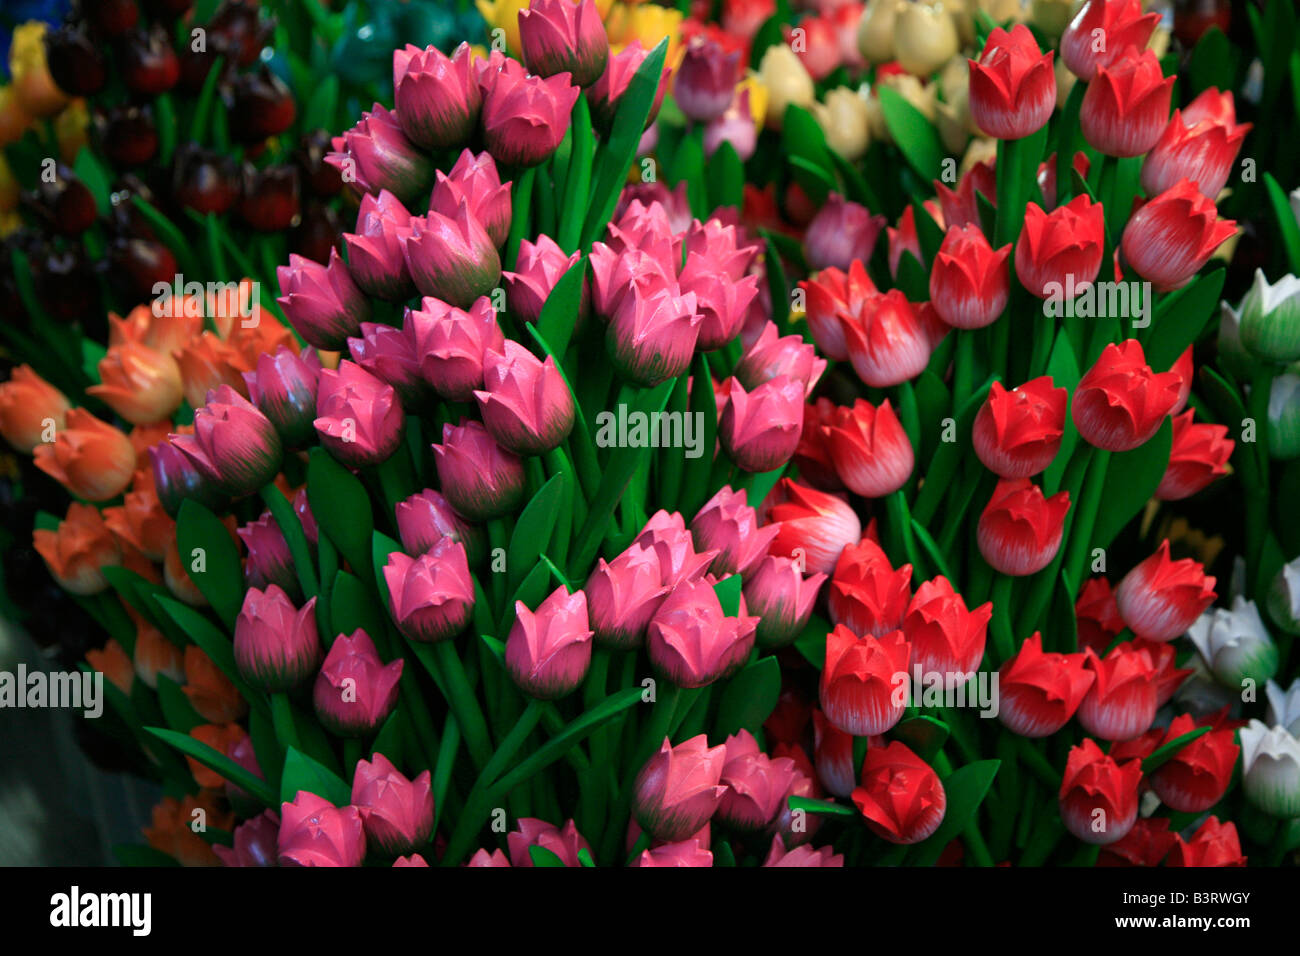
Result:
x=282 y=719
x=463 y=702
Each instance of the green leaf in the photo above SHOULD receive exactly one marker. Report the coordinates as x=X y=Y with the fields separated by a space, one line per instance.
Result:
x=1181 y=317
x=695 y=475
x=749 y=697
x=176 y=707
x=352 y=606
x=322 y=105
x=965 y=789
x=577 y=185
x=1166 y=752
x=303 y=773
x=616 y=154
x=218 y=762
x=1063 y=367
x=728 y=591
x=1286 y=223
x=925 y=735
x=203 y=541
x=544 y=857
x=811 y=642
x=212 y=642
x=534 y=527
x=915 y=135
x=341 y=508
x=91 y=172
x=726 y=177
x=559 y=315
x=1131 y=479
x=390 y=737
x=823 y=807
x=687 y=166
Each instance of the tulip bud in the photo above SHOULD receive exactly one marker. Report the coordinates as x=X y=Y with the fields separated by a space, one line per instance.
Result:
x=276 y=646
x=32 y=410
x=969 y=283
x=787 y=83
x=1120 y=403
x=480 y=478
x=831 y=294
x=736 y=126
x=284 y=389
x=525 y=117
x=431 y=596
x=721 y=300
x=1197 y=776
x=452 y=343
x=607 y=92
x=437 y=96
x=667 y=536
x=729 y=526
x=1126 y=106
x=322 y=303
x=1121 y=23
x=148 y=62
x=548 y=651
x=1017 y=433
x=375 y=259
x=651 y=337
x=685 y=853
x=564 y=36
x=1173 y=235
x=1235 y=644
x=90 y=458
x=705 y=82
x=1099 y=797
x=396 y=813
x=1061 y=249
x=1284 y=597
x=269 y=561
x=375 y=155
x=255 y=842
x=692 y=642
x=925 y=38
x=426 y=518
x=946 y=637
x=540 y=265
x=1213 y=844
x=623 y=595
x=475 y=181
x=75 y=60
x=78 y=550
x=886 y=341
x=1199 y=455
x=678 y=789
x=525 y=403
x=1270 y=769
x=814 y=526
x=900 y=795
x=1200 y=144
x=451 y=258
x=359 y=418
x=1160 y=598
x=864 y=683
x=1019 y=530
x=1040 y=692
x=841 y=232
x=313 y=832
x=386 y=352
x=1012 y=85
x=782 y=599
x=355 y=691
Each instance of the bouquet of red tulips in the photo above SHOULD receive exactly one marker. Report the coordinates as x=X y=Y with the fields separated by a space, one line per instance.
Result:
x=585 y=521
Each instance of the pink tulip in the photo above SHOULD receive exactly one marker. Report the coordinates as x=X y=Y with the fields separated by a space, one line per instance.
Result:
x=355 y=691
x=525 y=403
x=359 y=418
x=450 y=344
x=623 y=595
x=679 y=563
x=728 y=525
x=386 y=353
x=480 y=478
x=774 y=354
x=540 y=266
x=841 y=232
x=607 y=92
x=475 y=180
x=706 y=80
x=652 y=338
x=314 y=832
x=548 y=651
x=756 y=784
x=430 y=597
x=692 y=642
x=721 y=300
x=451 y=257
x=276 y=645
x=426 y=518
x=760 y=429
x=782 y=598
x=565 y=842
x=437 y=96
x=525 y=117
x=375 y=155
x=284 y=390
x=323 y=303
x=679 y=788
x=375 y=259
x=564 y=36
x=268 y=561
x=396 y=813
x=255 y=842
x=234 y=446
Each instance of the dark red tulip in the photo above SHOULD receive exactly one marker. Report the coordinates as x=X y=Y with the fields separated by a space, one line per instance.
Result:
x=140 y=264
x=269 y=199
x=66 y=203
x=148 y=61
x=112 y=18
x=65 y=282
x=204 y=180
x=261 y=106
x=127 y=134
x=75 y=61
x=237 y=32
x=318 y=176
x=195 y=66
x=317 y=232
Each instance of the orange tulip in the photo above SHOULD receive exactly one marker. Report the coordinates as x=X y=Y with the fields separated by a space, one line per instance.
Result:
x=155 y=654
x=177 y=576
x=14 y=120
x=32 y=410
x=173 y=830
x=232 y=307
x=141 y=384
x=90 y=458
x=140 y=521
x=113 y=663
x=79 y=550
x=37 y=93
x=221 y=738
x=144 y=437
x=264 y=337
x=207 y=362
x=165 y=325
x=210 y=691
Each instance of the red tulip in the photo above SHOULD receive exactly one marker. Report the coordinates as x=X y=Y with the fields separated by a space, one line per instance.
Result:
x=872 y=454
x=900 y=795
x=1040 y=692
x=1199 y=455
x=969 y=282
x=1146 y=844
x=1121 y=703
x=1121 y=24
x=834 y=296
x=814 y=526
x=867 y=595
x=1120 y=403
x=1097 y=615
x=946 y=637
x=1017 y=433
x=1019 y=530
x=1173 y=235
x=1126 y=107
x=864 y=683
x=1012 y=85
x=1213 y=844
x=1200 y=143
x=1098 y=797
x=886 y=341
x=1060 y=249
x=1197 y=776
x=1161 y=598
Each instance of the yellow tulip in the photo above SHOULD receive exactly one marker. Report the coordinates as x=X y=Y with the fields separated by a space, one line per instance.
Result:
x=70 y=128
x=503 y=15
x=787 y=82
x=876 y=30
x=757 y=95
x=843 y=118
x=925 y=38
x=36 y=90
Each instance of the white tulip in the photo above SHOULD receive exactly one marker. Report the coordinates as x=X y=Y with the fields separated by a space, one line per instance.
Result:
x=1270 y=775
x=1235 y=644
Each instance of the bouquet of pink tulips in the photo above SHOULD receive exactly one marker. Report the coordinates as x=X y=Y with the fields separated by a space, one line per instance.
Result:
x=594 y=522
